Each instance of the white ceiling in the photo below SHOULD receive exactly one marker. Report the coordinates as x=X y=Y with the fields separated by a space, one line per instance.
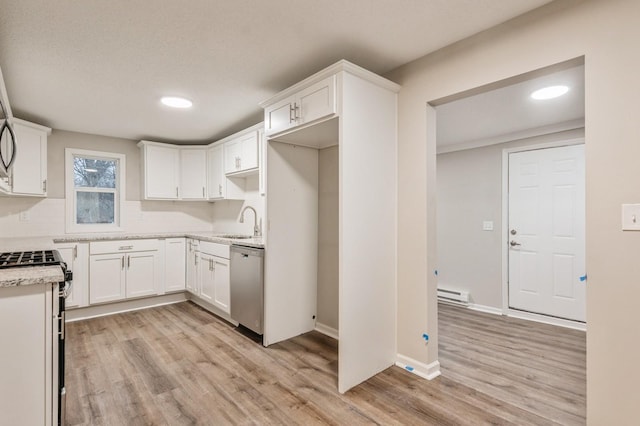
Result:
x=100 y=67
x=509 y=113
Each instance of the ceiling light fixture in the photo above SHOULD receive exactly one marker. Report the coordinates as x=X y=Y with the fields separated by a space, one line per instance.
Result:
x=176 y=102
x=549 y=92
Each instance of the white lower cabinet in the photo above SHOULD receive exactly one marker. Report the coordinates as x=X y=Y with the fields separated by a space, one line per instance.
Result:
x=106 y=278
x=192 y=266
x=123 y=269
x=213 y=276
x=175 y=264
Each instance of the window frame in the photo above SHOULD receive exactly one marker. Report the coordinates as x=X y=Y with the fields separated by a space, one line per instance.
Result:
x=71 y=192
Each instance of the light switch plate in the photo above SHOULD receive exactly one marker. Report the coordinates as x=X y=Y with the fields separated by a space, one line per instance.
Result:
x=487 y=225
x=631 y=217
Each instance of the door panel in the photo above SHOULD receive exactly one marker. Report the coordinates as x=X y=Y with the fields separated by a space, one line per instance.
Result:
x=546 y=226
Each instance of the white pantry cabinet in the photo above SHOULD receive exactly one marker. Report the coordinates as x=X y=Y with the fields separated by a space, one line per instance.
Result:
x=161 y=171
x=123 y=269
x=193 y=173
x=349 y=107
x=175 y=264
x=307 y=105
x=76 y=256
x=241 y=154
x=28 y=176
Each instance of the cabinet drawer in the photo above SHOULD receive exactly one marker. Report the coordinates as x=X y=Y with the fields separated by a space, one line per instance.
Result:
x=122 y=246
x=214 y=249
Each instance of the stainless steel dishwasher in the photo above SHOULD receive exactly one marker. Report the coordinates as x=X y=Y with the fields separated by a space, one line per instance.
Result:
x=247 y=286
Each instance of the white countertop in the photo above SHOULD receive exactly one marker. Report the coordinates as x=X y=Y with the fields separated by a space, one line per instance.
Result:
x=21 y=276
x=45 y=243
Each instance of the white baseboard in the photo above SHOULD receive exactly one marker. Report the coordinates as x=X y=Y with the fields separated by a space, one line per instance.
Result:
x=576 y=325
x=484 y=308
x=124 y=306
x=327 y=331
x=426 y=371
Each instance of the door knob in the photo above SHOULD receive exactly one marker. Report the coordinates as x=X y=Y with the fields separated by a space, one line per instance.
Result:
x=513 y=244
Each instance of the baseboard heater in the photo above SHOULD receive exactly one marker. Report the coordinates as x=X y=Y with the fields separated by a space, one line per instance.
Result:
x=453 y=296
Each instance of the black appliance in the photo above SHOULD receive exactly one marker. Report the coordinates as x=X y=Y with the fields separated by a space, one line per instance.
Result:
x=19 y=259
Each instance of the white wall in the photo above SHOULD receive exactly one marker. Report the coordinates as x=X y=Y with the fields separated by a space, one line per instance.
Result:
x=328 y=283
x=470 y=192
x=606 y=34
x=227 y=212
x=47 y=215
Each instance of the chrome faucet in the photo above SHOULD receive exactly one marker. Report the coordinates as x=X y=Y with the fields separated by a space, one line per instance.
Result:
x=257 y=229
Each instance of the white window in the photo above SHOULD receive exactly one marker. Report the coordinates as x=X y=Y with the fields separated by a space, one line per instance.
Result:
x=94 y=190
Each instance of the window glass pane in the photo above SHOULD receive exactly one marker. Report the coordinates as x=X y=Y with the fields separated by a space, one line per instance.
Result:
x=95 y=207
x=96 y=173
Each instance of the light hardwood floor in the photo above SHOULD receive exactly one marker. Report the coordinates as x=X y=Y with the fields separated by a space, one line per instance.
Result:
x=179 y=365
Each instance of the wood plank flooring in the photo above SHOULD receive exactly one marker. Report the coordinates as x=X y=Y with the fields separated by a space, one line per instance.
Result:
x=180 y=365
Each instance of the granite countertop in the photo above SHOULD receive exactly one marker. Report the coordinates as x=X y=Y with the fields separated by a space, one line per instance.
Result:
x=46 y=243
x=21 y=276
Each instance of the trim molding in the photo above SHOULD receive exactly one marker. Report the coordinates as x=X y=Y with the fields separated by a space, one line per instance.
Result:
x=327 y=331
x=95 y=311
x=560 y=322
x=486 y=309
x=426 y=371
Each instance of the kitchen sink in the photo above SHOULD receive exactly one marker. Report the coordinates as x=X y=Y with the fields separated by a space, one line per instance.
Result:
x=235 y=236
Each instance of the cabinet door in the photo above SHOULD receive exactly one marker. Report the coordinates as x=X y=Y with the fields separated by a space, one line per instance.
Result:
x=279 y=116
x=262 y=147
x=29 y=172
x=222 y=281
x=192 y=267
x=193 y=174
x=216 y=178
x=232 y=156
x=206 y=278
x=161 y=172
x=175 y=264
x=317 y=101
x=249 y=151
x=106 y=278
x=141 y=274
x=76 y=256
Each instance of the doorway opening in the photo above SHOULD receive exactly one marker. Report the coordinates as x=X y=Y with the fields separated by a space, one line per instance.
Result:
x=475 y=132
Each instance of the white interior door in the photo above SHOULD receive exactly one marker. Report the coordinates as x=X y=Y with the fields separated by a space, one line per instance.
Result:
x=547 y=232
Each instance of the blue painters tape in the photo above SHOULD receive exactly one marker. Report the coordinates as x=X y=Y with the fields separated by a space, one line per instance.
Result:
x=425 y=336
x=409 y=368
x=583 y=278
x=435 y=272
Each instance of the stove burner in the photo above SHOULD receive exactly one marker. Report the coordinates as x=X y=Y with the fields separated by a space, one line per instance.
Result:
x=30 y=258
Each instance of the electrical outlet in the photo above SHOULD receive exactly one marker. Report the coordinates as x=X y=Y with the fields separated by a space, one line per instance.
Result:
x=24 y=216
x=487 y=225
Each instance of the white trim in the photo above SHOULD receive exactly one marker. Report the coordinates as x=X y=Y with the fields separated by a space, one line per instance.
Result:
x=70 y=196
x=514 y=136
x=339 y=66
x=123 y=306
x=561 y=322
x=426 y=371
x=327 y=331
x=486 y=309
x=505 y=213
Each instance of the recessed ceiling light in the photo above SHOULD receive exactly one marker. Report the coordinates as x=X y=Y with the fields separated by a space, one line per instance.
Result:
x=549 y=92
x=176 y=102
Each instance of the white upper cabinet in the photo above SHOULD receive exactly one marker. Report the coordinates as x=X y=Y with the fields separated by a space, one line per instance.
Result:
x=241 y=154
x=29 y=171
x=161 y=164
x=171 y=172
x=307 y=105
x=193 y=173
